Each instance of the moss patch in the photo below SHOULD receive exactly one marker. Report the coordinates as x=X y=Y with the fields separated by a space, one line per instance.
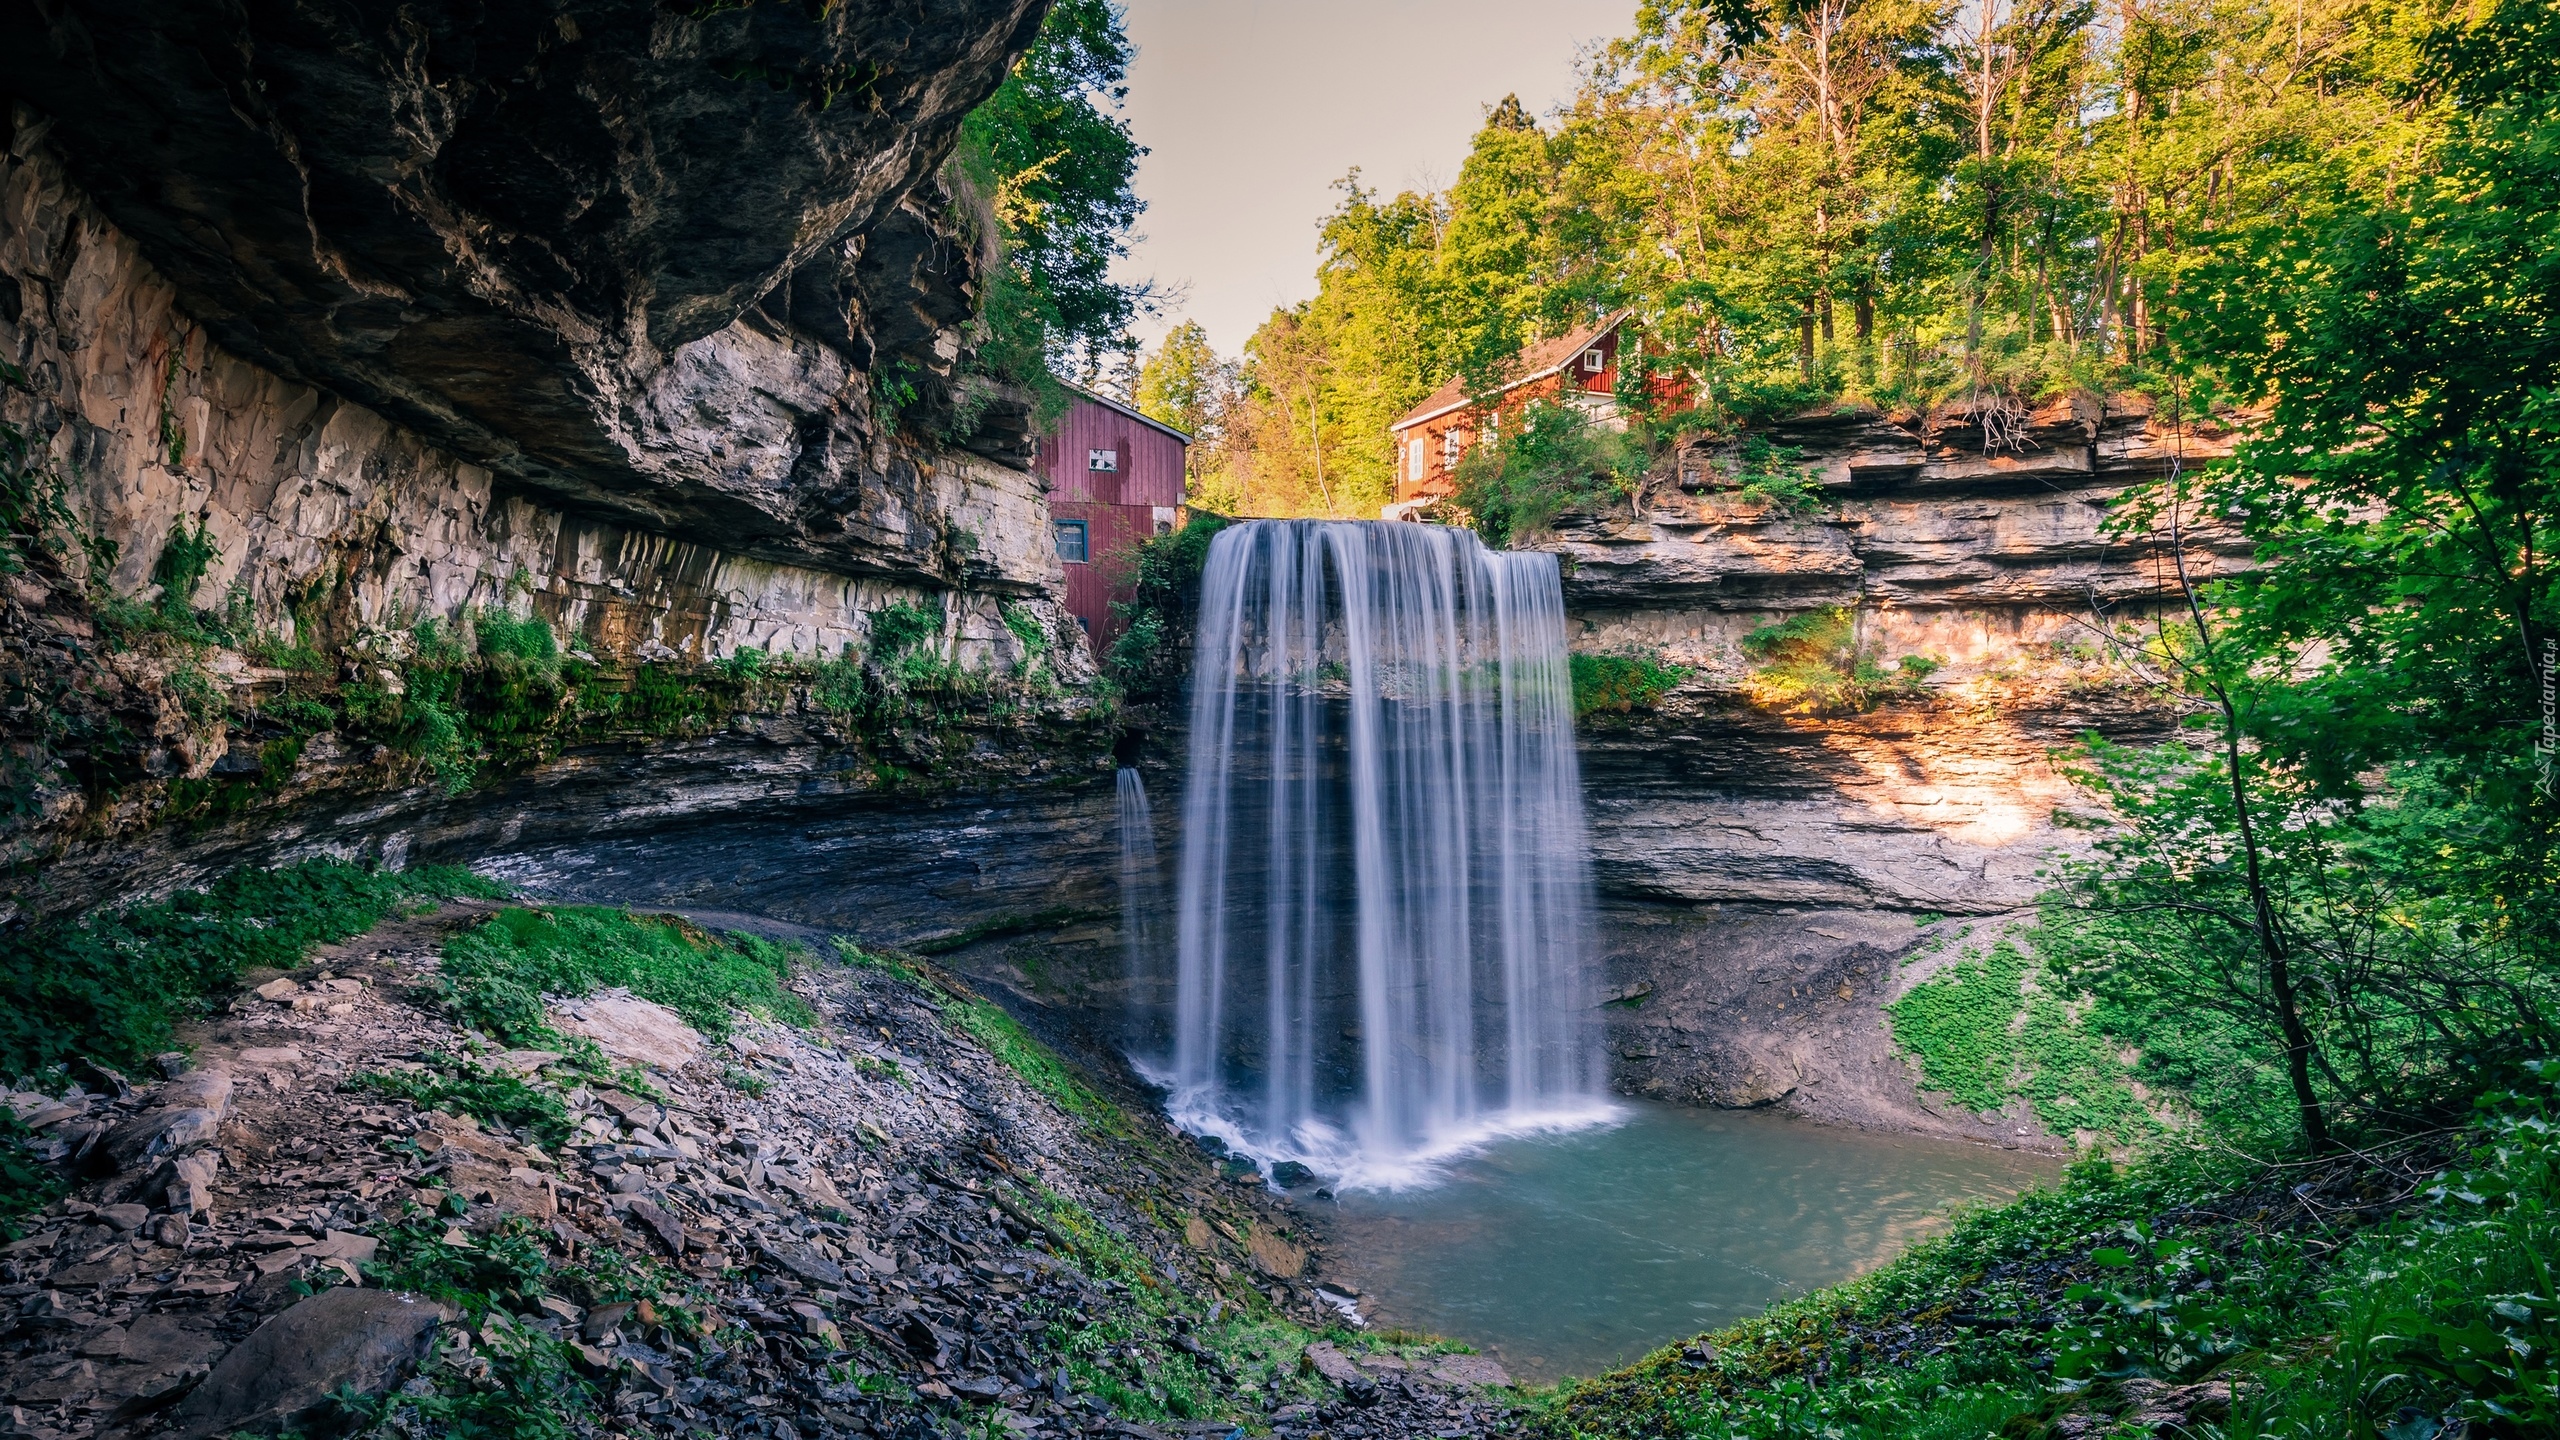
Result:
x=496 y=975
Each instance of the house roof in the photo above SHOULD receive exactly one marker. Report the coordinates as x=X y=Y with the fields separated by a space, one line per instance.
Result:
x=1536 y=361
x=1132 y=411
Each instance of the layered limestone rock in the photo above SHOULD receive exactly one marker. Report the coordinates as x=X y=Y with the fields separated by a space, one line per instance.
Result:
x=1996 y=571
x=639 y=259
x=333 y=530
x=1761 y=858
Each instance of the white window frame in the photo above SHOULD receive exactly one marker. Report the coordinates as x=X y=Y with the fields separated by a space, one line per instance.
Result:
x=1453 y=443
x=1593 y=362
x=1102 y=462
x=1420 y=465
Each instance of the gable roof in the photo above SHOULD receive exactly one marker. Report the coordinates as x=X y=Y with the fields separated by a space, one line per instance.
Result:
x=1132 y=411
x=1536 y=361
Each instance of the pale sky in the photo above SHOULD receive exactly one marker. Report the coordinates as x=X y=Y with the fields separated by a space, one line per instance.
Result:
x=1251 y=109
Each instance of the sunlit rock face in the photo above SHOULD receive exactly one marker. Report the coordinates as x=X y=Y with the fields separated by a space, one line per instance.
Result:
x=633 y=257
x=1762 y=860
x=1997 y=568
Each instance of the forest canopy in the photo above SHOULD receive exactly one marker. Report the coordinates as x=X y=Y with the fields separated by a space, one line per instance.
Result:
x=1893 y=202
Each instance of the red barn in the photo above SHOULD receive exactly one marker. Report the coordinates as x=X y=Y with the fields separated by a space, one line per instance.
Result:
x=1115 y=478
x=1580 y=368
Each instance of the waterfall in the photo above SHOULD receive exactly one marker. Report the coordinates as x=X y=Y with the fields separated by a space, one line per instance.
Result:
x=1139 y=881
x=1384 y=888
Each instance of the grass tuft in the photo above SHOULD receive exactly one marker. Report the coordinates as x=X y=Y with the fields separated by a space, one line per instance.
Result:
x=495 y=976
x=1621 y=682
x=1037 y=1064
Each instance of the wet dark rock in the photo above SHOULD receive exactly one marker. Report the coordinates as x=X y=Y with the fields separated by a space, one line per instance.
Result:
x=284 y=1373
x=1289 y=1175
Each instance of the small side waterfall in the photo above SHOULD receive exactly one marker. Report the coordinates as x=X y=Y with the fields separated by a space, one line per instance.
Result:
x=1384 y=887
x=1139 y=882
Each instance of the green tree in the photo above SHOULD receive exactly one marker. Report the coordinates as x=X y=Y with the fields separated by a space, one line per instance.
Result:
x=1056 y=164
x=1184 y=384
x=2359 y=871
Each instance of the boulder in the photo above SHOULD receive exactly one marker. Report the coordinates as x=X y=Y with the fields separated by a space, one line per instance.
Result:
x=185 y=1114
x=629 y=1028
x=1329 y=1362
x=285 y=1372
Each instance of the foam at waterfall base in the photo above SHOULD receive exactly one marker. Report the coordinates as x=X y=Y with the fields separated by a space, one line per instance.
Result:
x=1344 y=1164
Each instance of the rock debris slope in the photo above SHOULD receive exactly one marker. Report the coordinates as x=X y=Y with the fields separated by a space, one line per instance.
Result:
x=872 y=1227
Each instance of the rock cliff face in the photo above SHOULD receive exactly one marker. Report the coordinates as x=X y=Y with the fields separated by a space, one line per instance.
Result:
x=528 y=235
x=344 y=461
x=1762 y=862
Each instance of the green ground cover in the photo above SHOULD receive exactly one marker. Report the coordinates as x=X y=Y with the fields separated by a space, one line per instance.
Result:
x=109 y=989
x=2402 y=1293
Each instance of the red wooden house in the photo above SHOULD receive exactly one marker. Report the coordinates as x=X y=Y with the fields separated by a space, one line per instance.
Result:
x=1115 y=478
x=1579 y=368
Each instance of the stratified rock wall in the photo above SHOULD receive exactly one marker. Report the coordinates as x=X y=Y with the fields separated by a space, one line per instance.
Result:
x=640 y=259
x=1751 y=852
x=336 y=529
x=1995 y=568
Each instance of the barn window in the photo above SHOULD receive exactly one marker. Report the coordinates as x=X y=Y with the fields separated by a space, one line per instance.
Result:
x=1451 y=442
x=1102 y=460
x=1594 y=361
x=1419 y=460
x=1074 y=542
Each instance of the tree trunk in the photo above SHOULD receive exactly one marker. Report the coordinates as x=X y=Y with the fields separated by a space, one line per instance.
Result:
x=2273 y=950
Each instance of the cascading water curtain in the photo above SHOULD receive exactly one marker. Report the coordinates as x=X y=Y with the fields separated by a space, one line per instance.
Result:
x=1384 y=887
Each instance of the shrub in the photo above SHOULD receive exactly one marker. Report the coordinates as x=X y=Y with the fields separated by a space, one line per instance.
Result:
x=1811 y=663
x=1621 y=682
x=1770 y=475
x=1147 y=658
x=503 y=635
x=900 y=627
x=464 y=1087
x=1547 y=459
x=181 y=568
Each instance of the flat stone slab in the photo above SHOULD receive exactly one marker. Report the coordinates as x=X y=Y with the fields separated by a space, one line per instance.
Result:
x=629 y=1028
x=287 y=1369
x=1468 y=1370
